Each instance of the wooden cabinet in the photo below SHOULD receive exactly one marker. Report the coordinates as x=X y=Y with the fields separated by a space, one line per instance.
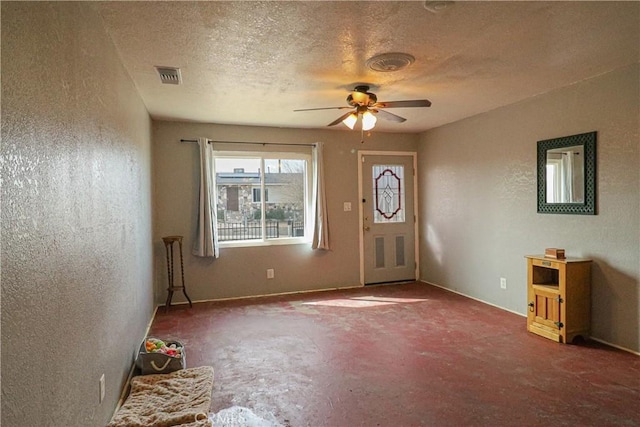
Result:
x=559 y=297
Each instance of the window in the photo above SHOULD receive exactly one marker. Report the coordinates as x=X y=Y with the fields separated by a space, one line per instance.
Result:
x=257 y=195
x=262 y=198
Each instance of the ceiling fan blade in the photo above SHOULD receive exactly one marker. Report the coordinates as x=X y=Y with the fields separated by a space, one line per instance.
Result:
x=323 y=108
x=403 y=104
x=389 y=116
x=339 y=119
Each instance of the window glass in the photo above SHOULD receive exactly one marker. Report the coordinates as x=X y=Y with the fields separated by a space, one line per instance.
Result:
x=261 y=199
x=257 y=195
x=388 y=193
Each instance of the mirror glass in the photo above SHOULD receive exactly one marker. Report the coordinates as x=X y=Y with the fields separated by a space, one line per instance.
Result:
x=566 y=174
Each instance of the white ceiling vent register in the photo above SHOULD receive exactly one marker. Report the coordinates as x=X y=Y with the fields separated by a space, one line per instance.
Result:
x=437 y=6
x=389 y=62
x=169 y=75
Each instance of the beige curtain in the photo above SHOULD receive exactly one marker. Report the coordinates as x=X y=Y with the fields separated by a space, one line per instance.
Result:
x=206 y=243
x=321 y=220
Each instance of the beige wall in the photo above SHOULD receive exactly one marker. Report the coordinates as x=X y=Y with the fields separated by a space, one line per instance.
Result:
x=478 y=204
x=76 y=206
x=77 y=290
x=242 y=271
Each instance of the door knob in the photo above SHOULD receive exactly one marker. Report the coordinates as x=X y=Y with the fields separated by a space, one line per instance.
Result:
x=367 y=228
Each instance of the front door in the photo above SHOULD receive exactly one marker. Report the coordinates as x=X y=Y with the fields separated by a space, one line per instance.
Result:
x=388 y=219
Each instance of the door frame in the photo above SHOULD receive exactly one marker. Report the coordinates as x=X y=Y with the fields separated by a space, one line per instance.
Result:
x=414 y=155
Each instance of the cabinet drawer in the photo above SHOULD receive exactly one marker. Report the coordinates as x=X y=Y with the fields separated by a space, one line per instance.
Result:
x=546 y=263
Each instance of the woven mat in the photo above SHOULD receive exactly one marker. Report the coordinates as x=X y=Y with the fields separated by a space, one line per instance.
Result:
x=181 y=398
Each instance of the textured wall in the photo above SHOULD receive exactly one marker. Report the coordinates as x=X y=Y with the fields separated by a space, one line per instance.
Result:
x=76 y=207
x=242 y=271
x=478 y=206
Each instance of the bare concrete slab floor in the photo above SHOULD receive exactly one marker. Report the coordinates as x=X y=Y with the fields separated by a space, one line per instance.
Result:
x=399 y=355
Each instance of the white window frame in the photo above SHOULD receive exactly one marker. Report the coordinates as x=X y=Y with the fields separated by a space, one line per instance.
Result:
x=262 y=156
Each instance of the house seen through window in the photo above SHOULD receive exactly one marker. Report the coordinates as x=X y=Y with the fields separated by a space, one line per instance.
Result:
x=262 y=197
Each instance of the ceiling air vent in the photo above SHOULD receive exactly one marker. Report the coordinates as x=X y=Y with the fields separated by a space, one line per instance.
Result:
x=389 y=62
x=169 y=75
x=437 y=6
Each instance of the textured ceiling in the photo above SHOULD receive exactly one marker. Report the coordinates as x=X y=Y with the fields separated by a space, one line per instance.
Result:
x=253 y=63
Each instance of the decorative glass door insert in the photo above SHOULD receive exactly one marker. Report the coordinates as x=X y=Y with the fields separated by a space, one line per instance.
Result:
x=388 y=194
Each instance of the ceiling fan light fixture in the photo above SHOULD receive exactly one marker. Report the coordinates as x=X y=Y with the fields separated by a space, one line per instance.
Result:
x=368 y=120
x=350 y=121
x=366 y=107
x=359 y=98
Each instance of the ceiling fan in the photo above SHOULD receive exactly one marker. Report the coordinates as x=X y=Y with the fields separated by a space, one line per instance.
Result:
x=365 y=107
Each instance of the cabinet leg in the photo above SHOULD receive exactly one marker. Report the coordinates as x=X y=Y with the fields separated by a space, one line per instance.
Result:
x=577 y=338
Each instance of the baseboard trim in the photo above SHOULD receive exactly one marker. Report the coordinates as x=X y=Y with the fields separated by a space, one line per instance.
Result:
x=473 y=298
x=265 y=295
x=361 y=286
x=601 y=341
x=127 y=383
x=628 y=350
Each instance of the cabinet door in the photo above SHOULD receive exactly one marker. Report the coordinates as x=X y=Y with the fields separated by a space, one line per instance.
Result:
x=546 y=307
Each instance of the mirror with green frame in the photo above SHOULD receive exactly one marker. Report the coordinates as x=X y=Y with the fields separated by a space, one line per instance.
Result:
x=567 y=175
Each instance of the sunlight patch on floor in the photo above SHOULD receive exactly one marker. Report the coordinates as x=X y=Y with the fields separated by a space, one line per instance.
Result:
x=353 y=303
x=363 y=302
x=390 y=299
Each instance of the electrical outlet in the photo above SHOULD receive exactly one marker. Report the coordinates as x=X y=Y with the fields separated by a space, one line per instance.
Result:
x=503 y=283
x=270 y=273
x=346 y=206
x=102 y=388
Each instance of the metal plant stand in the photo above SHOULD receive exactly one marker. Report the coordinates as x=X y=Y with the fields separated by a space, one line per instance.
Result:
x=168 y=243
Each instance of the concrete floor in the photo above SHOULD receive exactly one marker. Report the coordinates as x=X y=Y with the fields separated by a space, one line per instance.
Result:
x=399 y=355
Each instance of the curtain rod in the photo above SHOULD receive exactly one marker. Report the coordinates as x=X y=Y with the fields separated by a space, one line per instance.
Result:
x=246 y=142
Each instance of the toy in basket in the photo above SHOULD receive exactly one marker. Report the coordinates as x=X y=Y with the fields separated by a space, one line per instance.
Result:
x=160 y=357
